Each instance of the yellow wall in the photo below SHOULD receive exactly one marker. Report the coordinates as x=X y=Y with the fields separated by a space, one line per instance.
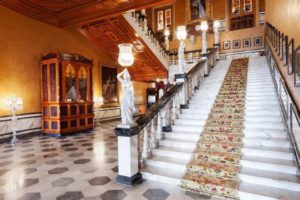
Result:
x=22 y=43
x=285 y=15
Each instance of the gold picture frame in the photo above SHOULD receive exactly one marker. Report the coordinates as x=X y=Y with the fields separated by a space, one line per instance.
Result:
x=195 y=11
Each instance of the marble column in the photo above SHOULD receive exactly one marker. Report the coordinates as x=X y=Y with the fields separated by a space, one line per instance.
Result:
x=128 y=156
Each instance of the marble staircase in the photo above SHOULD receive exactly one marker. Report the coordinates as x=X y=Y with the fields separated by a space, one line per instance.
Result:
x=268 y=167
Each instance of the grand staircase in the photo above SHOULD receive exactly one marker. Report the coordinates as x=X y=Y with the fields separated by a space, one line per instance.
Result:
x=268 y=169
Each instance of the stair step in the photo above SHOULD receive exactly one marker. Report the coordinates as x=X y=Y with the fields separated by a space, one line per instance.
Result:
x=189 y=128
x=272 y=192
x=173 y=177
x=186 y=153
x=176 y=143
x=180 y=164
x=180 y=135
x=266 y=173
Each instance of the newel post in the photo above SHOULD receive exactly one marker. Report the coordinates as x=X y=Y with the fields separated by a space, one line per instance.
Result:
x=128 y=157
x=183 y=95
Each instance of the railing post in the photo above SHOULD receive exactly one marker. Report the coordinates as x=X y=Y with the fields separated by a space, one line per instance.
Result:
x=159 y=126
x=128 y=156
x=206 y=64
x=154 y=142
x=166 y=119
x=184 y=93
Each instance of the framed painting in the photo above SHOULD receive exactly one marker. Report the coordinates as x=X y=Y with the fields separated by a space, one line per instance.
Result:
x=226 y=45
x=160 y=20
x=236 y=44
x=197 y=10
x=109 y=85
x=168 y=18
x=257 y=41
x=235 y=7
x=247 y=43
x=247 y=6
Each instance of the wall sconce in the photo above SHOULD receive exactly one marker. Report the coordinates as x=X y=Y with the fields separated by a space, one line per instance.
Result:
x=13 y=105
x=125 y=58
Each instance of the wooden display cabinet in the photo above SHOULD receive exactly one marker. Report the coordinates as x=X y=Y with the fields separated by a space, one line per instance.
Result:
x=67 y=94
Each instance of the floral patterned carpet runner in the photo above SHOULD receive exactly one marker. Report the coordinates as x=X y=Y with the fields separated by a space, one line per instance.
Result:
x=214 y=168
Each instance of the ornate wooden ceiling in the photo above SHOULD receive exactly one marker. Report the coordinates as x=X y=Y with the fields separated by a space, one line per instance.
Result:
x=65 y=13
x=108 y=33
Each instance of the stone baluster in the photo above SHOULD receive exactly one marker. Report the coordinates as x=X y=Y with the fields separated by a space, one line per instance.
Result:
x=146 y=144
x=169 y=115
x=159 y=126
x=154 y=142
x=178 y=110
x=173 y=111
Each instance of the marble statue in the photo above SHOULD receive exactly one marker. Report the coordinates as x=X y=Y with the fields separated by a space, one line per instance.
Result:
x=127 y=101
x=181 y=60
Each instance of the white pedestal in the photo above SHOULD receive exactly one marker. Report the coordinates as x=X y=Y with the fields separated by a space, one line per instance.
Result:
x=128 y=163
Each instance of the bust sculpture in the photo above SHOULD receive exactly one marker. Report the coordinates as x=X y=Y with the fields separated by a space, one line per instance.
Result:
x=127 y=101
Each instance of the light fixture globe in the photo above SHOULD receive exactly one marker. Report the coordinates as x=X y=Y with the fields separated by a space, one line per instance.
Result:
x=125 y=58
x=204 y=26
x=181 y=32
x=167 y=32
x=217 y=24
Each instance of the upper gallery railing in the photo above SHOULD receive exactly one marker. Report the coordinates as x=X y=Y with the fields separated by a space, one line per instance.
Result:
x=190 y=56
x=287 y=102
x=138 y=21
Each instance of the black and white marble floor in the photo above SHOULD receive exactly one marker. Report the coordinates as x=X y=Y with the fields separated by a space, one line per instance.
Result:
x=82 y=166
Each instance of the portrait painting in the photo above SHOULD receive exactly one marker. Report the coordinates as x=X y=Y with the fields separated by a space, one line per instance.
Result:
x=236 y=44
x=168 y=18
x=109 y=85
x=197 y=10
x=226 y=45
x=247 y=43
x=248 y=5
x=160 y=20
x=236 y=7
x=258 y=41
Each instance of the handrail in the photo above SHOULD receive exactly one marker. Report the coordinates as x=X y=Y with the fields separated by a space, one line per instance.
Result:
x=195 y=68
x=136 y=144
x=287 y=103
x=156 y=107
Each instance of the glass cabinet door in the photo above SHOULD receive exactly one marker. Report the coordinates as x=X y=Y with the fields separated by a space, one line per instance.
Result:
x=71 y=94
x=82 y=84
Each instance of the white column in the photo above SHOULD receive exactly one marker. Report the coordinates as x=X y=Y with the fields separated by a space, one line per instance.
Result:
x=217 y=42
x=204 y=43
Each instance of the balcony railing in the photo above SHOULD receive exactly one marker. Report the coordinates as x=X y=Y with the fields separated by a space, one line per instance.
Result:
x=288 y=107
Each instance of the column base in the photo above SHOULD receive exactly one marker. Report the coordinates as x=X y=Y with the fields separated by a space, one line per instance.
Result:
x=184 y=106
x=167 y=129
x=135 y=179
